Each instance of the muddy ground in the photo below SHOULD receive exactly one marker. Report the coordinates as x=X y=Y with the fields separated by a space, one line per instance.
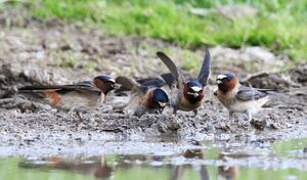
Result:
x=53 y=52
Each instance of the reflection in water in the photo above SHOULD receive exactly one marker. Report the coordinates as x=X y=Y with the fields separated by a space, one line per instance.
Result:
x=189 y=165
x=178 y=171
x=96 y=167
x=192 y=164
x=227 y=172
x=101 y=168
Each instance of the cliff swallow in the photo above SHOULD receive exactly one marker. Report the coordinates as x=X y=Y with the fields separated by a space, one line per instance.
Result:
x=147 y=97
x=238 y=98
x=186 y=95
x=83 y=95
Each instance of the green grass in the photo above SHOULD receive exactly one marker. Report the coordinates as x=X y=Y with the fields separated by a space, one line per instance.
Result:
x=280 y=24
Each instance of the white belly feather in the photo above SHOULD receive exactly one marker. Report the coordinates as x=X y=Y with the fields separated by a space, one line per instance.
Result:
x=252 y=106
x=79 y=100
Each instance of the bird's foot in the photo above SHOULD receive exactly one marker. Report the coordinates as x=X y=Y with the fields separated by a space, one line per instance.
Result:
x=195 y=113
x=258 y=124
x=227 y=127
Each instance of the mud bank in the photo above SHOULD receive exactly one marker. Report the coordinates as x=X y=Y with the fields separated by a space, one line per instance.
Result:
x=28 y=127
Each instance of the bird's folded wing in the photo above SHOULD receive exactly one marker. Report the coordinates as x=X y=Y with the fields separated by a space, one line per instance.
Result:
x=248 y=93
x=151 y=82
x=58 y=88
x=31 y=89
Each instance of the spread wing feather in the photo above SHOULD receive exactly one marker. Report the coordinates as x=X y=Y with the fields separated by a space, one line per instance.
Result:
x=204 y=73
x=151 y=82
x=173 y=68
x=130 y=85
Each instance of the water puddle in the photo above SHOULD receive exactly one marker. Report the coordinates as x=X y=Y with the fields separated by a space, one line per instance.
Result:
x=206 y=160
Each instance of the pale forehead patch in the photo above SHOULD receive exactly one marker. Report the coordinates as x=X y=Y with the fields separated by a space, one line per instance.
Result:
x=221 y=76
x=196 y=88
x=111 y=80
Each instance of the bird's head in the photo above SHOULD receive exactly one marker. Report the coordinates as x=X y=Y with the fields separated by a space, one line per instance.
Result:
x=193 y=90
x=226 y=82
x=160 y=98
x=105 y=83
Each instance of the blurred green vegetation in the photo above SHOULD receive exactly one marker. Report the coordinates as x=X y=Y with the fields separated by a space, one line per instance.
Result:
x=290 y=148
x=280 y=25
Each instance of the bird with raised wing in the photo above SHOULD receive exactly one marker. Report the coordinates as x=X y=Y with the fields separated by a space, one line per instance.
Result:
x=146 y=96
x=186 y=95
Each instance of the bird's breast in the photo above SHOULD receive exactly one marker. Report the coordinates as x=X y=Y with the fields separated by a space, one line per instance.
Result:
x=147 y=101
x=185 y=105
x=136 y=105
x=225 y=98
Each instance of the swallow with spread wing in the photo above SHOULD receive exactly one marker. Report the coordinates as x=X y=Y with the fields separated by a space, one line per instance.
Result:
x=84 y=95
x=146 y=97
x=186 y=95
x=238 y=98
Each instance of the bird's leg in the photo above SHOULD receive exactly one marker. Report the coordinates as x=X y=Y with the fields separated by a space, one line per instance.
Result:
x=230 y=120
x=249 y=116
x=230 y=116
x=195 y=112
x=233 y=120
x=75 y=114
x=175 y=111
x=72 y=113
x=79 y=115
